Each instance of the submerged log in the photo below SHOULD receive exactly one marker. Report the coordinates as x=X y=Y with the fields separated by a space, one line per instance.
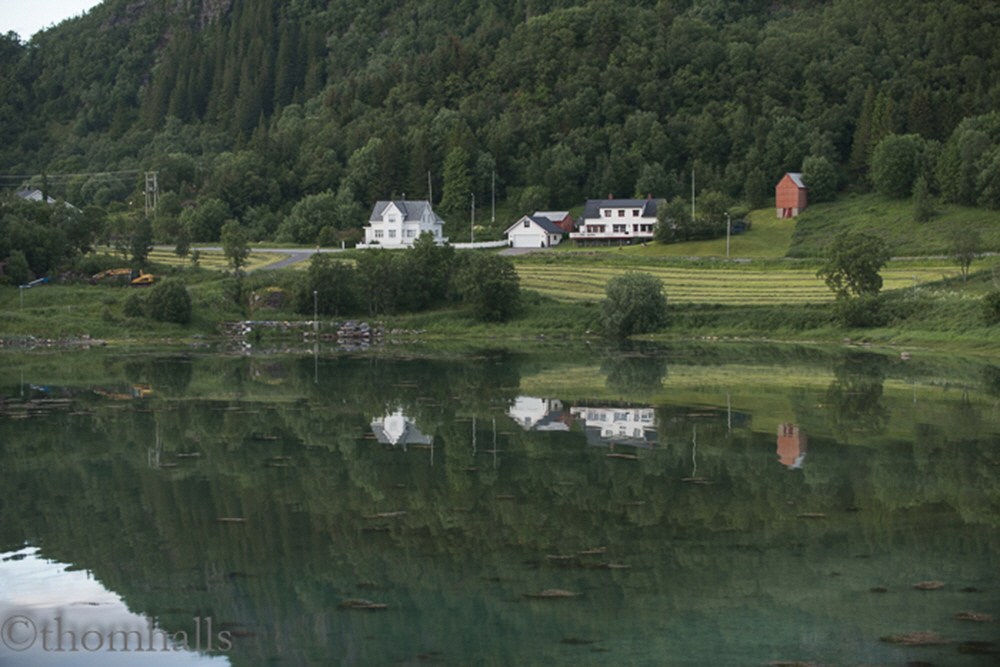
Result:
x=922 y=638
x=363 y=605
x=551 y=593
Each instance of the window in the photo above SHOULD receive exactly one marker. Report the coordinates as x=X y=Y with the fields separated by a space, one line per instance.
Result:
x=635 y=213
x=619 y=229
x=607 y=213
x=392 y=233
x=621 y=213
x=410 y=233
x=527 y=223
x=378 y=233
x=595 y=229
x=621 y=416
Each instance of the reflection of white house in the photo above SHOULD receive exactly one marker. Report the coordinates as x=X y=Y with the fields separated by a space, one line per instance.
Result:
x=397 y=429
x=539 y=414
x=397 y=224
x=610 y=426
x=617 y=221
x=534 y=231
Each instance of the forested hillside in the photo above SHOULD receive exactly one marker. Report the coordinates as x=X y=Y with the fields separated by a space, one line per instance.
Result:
x=294 y=116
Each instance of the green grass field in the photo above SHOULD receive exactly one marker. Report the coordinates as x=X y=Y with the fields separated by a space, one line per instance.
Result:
x=739 y=285
x=769 y=237
x=215 y=260
x=892 y=219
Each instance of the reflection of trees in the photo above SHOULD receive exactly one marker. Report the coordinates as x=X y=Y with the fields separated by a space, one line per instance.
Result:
x=635 y=371
x=167 y=376
x=854 y=398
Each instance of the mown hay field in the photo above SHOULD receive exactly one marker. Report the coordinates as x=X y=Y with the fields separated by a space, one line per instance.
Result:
x=215 y=259
x=575 y=282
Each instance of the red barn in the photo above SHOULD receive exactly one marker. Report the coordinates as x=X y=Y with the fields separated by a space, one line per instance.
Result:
x=790 y=195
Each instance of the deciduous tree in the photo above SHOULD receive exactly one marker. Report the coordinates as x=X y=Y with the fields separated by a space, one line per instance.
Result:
x=635 y=304
x=853 y=262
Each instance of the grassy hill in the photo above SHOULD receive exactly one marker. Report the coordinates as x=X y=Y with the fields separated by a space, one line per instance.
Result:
x=893 y=220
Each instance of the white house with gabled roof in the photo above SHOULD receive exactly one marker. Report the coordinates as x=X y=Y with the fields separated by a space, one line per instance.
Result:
x=399 y=223
x=617 y=221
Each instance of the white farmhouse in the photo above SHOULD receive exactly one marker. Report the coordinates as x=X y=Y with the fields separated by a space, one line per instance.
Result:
x=534 y=231
x=617 y=221
x=397 y=224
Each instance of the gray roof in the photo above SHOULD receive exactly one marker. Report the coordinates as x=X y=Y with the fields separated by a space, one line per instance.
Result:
x=412 y=210
x=797 y=179
x=593 y=207
x=554 y=216
x=34 y=195
x=547 y=225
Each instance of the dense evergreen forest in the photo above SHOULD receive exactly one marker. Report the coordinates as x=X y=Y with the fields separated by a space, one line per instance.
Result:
x=294 y=116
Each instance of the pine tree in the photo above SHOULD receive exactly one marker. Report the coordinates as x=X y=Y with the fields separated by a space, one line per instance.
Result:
x=883 y=121
x=920 y=119
x=457 y=181
x=861 y=148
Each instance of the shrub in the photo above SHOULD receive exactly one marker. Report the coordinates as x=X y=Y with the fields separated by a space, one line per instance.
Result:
x=991 y=307
x=135 y=304
x=169 y=301
x=490 y=286
x=635 y=304
x=861 y=312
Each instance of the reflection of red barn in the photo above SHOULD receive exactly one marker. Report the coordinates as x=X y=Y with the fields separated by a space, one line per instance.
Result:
x=790 y=195
x=792 y=445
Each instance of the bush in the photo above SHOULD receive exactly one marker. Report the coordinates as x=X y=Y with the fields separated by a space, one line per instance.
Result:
x=991 y=307
x=169 y=301
x=490 y=286
x=861 y=312
x=635 y=304
x=135 y=305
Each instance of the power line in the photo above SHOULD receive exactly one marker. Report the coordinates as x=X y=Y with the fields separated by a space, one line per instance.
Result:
x=50 y=177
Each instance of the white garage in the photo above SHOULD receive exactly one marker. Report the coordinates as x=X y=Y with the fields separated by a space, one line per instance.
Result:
x=534 y=232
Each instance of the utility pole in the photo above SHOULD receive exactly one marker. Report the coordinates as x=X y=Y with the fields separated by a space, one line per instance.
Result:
x=729 y=226
x=472 y=228
x=493 y=213
x=692 y=194
x=152 y=192
x=430 y=189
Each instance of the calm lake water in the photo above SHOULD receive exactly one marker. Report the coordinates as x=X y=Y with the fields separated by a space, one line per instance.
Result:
x=566 y=504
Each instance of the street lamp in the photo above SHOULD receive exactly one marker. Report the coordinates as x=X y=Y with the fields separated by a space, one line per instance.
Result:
x=315 y=313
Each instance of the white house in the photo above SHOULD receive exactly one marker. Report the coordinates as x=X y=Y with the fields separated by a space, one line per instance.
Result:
x=617 y=221
x=534 y=231
x=610 y=425
x=34 y=195
x=397 y=224
x=398 y=429
x=539 y=414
